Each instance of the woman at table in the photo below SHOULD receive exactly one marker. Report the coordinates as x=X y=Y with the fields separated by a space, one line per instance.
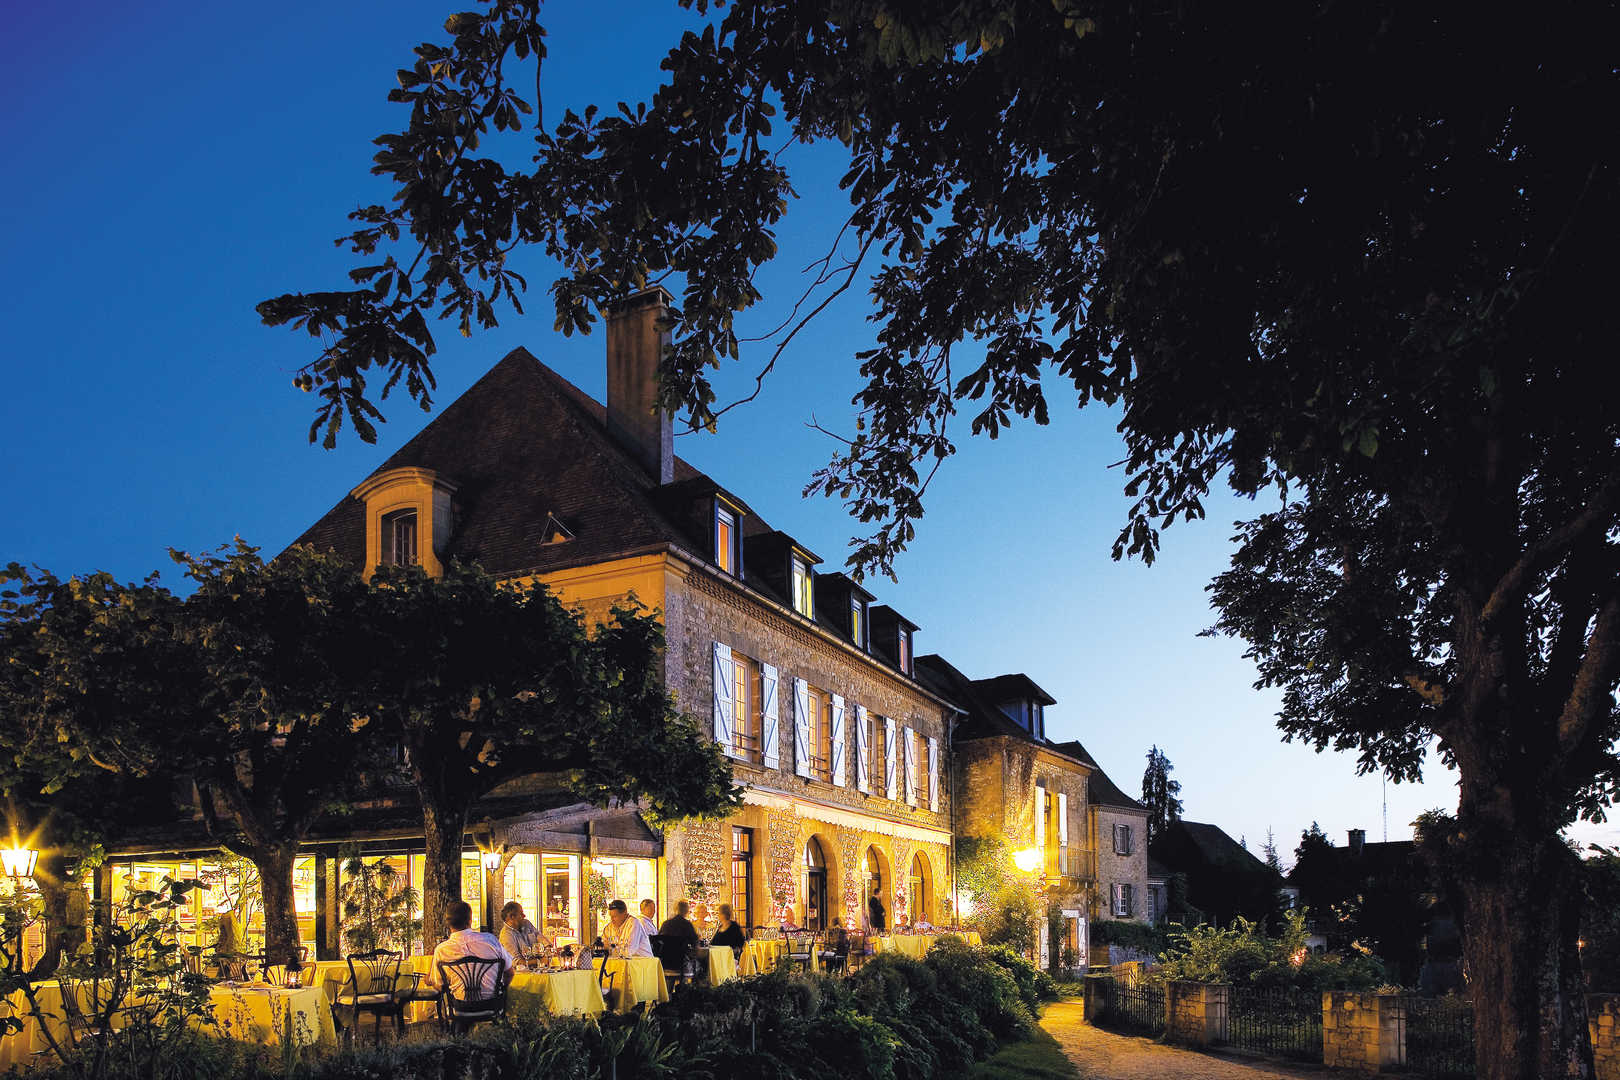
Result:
x=729 y=932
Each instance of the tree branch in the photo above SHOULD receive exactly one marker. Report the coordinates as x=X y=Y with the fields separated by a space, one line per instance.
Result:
x=1537 y=557
x=1593 y=692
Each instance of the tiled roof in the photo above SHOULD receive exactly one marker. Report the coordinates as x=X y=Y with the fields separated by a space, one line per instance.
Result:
x=523 y=443
x=982 y=719
x=1016 y=687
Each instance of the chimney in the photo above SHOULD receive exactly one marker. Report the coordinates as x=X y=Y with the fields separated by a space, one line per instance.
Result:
x=635 y=344
x=1358 y=838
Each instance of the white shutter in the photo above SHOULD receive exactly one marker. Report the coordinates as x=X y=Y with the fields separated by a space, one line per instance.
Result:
x=890 y=791
x=838 y=740
x=723 y=678
x=1063 y=833
x=770 y=717
x=863 y=742
x=801 y=728
x=1040 y=823
x=911 y=767
x=933 y=774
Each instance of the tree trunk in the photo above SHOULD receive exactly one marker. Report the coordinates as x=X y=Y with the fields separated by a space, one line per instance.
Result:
x=275 y=866
x=63 y=932
x=1520 y=940
x=444 y=827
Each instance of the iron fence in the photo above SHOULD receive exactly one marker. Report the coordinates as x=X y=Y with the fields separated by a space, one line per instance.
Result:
x=1138 y=1010
x=1437 y=1035
x=1282 y=1021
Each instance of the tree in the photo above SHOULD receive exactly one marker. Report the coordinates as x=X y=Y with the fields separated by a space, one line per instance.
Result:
x=244 y=692
x=1269 y=852
x=1344 y=253
x=1159 y=794
x=484 y=681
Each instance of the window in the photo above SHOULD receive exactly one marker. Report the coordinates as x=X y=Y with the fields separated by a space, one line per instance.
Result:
x=857 y=622
x=803 y=599
x=905 y=651
x=915 y=749
x=820 y=735
x=880 y=766
x=1122 y=839
x=815 y=886
x=399 y=538
x=725 y=539
x=1040 y=721
x=920 y=886
x=742 y=874
x=1124 y=901
x=745 y=704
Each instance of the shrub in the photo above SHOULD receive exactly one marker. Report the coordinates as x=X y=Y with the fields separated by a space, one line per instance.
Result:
x=1243 y=954
x=1152 y=940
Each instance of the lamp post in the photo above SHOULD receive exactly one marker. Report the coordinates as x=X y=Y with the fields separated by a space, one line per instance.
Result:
x=18 y=861
x=491 y=860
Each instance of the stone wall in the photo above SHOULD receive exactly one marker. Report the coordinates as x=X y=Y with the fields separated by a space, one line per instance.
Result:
x=1603 y=1020
x=1195 y=1013
x=1113 y=867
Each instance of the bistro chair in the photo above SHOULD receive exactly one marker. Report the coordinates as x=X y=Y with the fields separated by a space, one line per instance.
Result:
x=604 y=982
x=85 y=998
x=467 y=993
x=802 y=949
x=855 y=952
x=373 y=987
x=832 y=955
x=276 y=973
x=676 y=956
x=233 y=967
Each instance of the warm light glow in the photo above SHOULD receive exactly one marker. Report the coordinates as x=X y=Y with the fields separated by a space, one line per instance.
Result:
x=1027 y=860
x=19 y=861
x=491 y=860
x=1298 y=959
x=964 y=905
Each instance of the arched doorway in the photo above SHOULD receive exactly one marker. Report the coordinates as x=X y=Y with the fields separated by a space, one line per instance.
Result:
x=875 y=878
x=815 y=886
x=920 y=889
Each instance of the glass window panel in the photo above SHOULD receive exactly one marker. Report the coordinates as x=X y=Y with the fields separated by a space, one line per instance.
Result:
x=561 y=884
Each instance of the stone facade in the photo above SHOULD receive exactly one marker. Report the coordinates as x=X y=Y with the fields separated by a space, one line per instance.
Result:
x=1195 y=1014
x=1115 y=868
x=1361 y=1030
x=1603 y=1021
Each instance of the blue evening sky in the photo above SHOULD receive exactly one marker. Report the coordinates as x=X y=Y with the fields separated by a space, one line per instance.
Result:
x=173 y=164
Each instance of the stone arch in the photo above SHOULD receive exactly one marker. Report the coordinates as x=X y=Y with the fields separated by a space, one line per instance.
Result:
x=819 y=881
x=877 y=874
x=920 y=888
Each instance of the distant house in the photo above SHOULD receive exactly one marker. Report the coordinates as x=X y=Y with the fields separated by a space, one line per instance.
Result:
x=1224 y=880
x=1118 y=826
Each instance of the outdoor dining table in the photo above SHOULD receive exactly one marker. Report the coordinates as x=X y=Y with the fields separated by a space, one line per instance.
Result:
x=273 y=1015
x=637 y=979
x=570 y=992
x=722 y=965
x=760 y=955
x=20 y=1048
x=331 y=975
x=915 y=946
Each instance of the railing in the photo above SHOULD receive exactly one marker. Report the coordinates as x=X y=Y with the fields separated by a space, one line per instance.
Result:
x=1438 y=1036
x=1135 y=1009
x=1284 y=1022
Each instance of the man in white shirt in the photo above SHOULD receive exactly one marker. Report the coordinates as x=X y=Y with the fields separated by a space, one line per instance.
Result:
x=465 y=941
x=623 y=935
x=649 y=917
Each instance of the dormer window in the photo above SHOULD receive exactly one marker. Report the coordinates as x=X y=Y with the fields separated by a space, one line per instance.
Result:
x=905 y=651
x=1039 y=714
x=803 y=596
x=725 y=539
x=399 y=538
x=857 y=622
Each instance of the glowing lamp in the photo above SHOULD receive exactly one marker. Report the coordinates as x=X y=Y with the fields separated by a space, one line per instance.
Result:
x=19 y=861
x=1027 y=860
x=491 y=860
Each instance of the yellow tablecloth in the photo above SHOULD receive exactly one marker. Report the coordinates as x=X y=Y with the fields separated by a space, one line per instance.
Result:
x=915 y=946
x=273 y=1015
x=722 y=965
x=644 y=982
x=331 y=975
x=761 y=954
x=969 y=936
x=560 y=993
x=19 y=1049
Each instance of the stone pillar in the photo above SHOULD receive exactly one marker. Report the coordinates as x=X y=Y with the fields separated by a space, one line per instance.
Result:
x=1098 y=993
x=1362 y=1030
x=1603 y=1021
x=1195 y=1013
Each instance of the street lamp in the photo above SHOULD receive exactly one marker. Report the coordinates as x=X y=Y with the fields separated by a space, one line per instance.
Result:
x=1027 y=860
x=18 y=861
x=491 y=860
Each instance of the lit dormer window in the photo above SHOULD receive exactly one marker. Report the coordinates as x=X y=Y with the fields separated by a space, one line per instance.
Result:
x=803 y=598
x=1040 y=720
x=725 y=539
x=857 y=621
x=399 y=538
x=905 y=651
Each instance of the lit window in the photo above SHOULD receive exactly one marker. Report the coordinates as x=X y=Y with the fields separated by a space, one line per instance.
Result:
x=803 y=601
x=742 y=874
x=725 y=539
x=857 y=622
x=820 y=735
x=745 y=708
x=399 y=538
x=905 y=651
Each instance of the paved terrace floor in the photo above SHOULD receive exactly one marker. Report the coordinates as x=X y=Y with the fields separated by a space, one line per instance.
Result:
x=1102 y=1055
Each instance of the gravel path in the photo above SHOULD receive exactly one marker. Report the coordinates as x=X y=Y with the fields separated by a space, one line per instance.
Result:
x=1102 y=1055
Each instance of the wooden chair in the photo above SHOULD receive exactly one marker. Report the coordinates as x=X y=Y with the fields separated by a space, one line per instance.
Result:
x=373 y=987
x=832 y=953
x=857 y=950
x=234 y=967
x=676 y=956
x=85 y=1004
x=802 y=949
x=473 y=991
